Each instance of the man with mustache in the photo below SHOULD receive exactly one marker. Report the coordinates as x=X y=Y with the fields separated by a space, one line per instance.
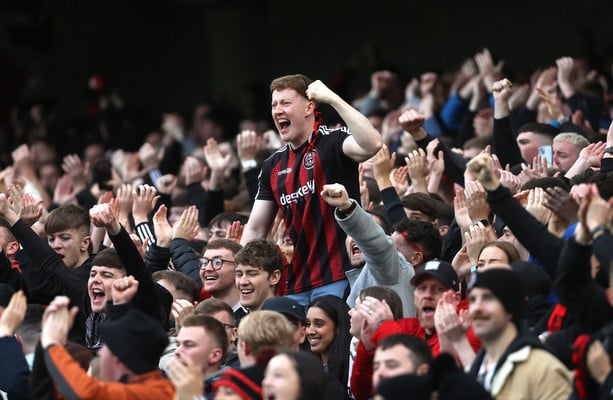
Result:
x=511 y=365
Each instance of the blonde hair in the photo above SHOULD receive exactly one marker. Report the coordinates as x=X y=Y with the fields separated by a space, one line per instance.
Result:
x=265 y=329
x=572 y=137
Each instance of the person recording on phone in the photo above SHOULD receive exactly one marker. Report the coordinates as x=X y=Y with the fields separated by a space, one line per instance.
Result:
x=547 y=153
x=566 y=148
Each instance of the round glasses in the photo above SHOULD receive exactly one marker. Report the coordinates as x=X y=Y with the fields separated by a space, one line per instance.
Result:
x=216 y=262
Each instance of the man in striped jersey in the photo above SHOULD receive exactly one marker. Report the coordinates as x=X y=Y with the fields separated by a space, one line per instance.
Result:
x=292 y=179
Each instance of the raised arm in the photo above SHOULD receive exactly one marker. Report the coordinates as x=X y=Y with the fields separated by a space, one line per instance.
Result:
x=261 y=219
x=412 y=122
x=378 y=250
x=247 y=146
x=25 y=169
x=183 y=256
x=15 y=376
x=504 y=143
x=565 y=69
x=382 y=167
x=55 y=276
x=146 y=299
x=158 y=253
x=365 y=140
x=522 y=223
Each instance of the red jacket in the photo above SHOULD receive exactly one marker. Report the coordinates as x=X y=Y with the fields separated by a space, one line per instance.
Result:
x=72 y=382
x=361 y=374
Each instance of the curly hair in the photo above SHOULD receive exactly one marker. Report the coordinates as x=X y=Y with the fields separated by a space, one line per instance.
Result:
x=262 y=254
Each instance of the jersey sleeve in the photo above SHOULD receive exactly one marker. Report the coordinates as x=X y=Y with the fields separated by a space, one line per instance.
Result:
x=264 y=186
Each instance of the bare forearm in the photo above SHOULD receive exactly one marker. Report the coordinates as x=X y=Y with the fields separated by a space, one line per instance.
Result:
x=566 y=88
x=434 y=182
x=464 y=351
x=97 y=237
x=383 y=181
x=533 y=101
x=250 y=233
x=501 y=109
x=578 y=167
x=215 y=180
x=419 y=186
x=365 y=135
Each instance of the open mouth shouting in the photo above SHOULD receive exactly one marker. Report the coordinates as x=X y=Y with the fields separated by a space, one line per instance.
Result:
x=283 y=125
x=428 y=312
x=97 y=298
x=356 y=253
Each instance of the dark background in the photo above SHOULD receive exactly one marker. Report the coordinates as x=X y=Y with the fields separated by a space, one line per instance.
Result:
x=167 y=55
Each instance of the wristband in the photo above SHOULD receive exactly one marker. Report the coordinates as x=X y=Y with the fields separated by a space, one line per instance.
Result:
x=608 y=150
x=248 y=164
x=601 y=228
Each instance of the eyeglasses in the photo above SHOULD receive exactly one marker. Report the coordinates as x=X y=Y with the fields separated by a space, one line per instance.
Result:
x=216 y=262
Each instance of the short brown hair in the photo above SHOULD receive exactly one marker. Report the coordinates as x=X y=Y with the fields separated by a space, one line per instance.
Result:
x=109 y=258
x=421 y=202
x=507 y=248
x=223 y=244
x=388 y=295
x=297 y=82
x=227 y=217
x=67 y=217
x=212 y=327
x=212 y=306
x=180 y=281
x=262 y=254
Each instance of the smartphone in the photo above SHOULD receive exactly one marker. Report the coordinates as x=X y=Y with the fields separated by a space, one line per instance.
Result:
x=547 y=152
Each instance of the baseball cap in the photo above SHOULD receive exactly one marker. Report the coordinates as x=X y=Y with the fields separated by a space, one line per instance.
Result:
x=286 y=306
x=441 y=270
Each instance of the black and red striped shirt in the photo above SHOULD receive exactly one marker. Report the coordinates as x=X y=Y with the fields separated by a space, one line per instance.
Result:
x=293 y=179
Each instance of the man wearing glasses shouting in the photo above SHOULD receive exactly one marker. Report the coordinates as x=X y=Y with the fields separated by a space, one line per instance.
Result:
x=217 y=272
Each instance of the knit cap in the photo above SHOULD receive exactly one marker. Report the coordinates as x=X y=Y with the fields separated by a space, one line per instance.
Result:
x=506 y=287
x=136 y=339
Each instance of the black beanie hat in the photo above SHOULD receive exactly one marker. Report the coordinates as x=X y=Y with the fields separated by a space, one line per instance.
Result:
x=136 y=339
x=506 y=286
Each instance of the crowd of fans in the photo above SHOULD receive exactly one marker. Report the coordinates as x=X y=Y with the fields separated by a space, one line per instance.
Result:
x=449 y=236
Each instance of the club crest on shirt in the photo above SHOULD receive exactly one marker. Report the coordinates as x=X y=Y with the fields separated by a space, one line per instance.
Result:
x=309 y=159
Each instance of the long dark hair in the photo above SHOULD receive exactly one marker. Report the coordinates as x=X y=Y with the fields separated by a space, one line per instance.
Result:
x=338 y=353
x=313 y=379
